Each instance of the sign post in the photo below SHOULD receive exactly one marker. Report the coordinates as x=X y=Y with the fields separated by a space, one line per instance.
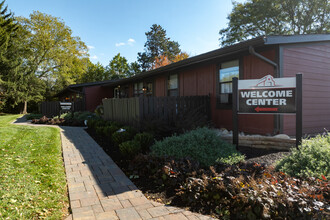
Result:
x=268 y=95
x=298 y=109
x=235 y=108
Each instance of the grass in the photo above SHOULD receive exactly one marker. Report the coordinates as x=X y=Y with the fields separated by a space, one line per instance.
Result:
x=32 y=177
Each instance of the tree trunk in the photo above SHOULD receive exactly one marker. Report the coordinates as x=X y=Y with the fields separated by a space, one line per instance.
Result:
x=25 y=108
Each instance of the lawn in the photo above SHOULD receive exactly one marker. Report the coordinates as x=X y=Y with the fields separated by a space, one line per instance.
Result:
x=32 y=176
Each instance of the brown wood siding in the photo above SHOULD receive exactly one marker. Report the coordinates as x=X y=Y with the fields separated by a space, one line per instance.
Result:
x=197 y=81
x=160 y=86
x=313 y=61
x=255 y=68
x=94 y=96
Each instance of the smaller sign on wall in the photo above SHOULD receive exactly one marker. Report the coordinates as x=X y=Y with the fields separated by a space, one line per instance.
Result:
x=267 y=95
x=66 y=106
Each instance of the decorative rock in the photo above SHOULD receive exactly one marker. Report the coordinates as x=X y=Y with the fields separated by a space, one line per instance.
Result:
x=282 y=136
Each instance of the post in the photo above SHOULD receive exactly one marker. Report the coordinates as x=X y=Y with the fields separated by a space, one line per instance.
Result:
x=234 y=111
x=298 y=109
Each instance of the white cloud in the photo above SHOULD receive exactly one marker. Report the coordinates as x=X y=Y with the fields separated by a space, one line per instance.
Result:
x=130 y=41
x=90 y=47
x=94 y=57
x=120 y=44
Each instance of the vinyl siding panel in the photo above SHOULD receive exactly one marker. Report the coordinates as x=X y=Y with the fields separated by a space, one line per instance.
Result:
x=313 y=61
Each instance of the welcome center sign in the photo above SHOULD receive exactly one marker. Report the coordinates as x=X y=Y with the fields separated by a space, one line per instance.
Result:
x=267 y=95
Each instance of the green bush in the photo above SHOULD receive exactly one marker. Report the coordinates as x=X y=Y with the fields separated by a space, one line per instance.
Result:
x=129 y=149
x=33 y=116
x=126 y=135
x=109 y=130
x=202 y=145
x=91 y=123
x=145 y=139
x=312 y=159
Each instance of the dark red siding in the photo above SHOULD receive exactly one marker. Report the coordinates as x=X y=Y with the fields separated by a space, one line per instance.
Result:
x=94 y=96
x=313 y=61
x=160 y=86
x=201 y=80
x=255 y=68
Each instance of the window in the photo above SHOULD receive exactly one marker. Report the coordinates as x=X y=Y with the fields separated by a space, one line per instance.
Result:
x=138 y=89
x=149 y=88
x=228 y=70
x=173 y=85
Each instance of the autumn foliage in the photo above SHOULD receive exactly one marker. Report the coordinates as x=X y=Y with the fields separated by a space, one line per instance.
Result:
x=163 y=60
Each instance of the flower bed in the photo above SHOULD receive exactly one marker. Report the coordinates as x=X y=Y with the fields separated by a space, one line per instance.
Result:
x=240 y=191
x=67 y=119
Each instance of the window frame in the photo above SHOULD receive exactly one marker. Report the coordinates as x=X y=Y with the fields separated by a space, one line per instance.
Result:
x=177 y=87
x=219 y=104
x=138 y=91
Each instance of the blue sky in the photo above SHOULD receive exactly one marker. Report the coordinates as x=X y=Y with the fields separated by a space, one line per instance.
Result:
x=109 y=27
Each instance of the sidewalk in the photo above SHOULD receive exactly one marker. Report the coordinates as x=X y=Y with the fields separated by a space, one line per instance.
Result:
x=98 y=189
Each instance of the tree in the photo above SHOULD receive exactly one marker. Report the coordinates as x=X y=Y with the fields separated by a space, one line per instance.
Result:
x=157 y=45
x=180 y=56
x=49 y=53
x=134 y=68
x=8 y=27
x=95 y=72
x=118 y=67
x=160 y=61
x=275 y=17
x=53 y=49
x=8 y=52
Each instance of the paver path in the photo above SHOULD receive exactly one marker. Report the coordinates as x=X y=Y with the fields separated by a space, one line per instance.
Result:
x=98 y=189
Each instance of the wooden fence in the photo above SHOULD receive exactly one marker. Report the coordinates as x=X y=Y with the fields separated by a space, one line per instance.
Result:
x=133 y=110
x=51 y=109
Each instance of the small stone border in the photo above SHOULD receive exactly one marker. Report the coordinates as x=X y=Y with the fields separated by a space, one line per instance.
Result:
x=277 y=142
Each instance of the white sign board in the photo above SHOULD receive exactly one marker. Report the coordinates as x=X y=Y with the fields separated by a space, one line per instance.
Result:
x=267 y=95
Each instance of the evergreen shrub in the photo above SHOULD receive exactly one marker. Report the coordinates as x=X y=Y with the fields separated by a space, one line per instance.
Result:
x=129 y=149
x=202 y=145
x=145 y=139
x=127 y=134
x=311 y=159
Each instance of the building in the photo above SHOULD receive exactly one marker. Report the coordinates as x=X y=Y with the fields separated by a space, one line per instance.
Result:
x=211 y=74
x=90 y=94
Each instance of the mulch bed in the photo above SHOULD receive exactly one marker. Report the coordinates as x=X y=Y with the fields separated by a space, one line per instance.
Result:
x=157 y=193
x=249 y=190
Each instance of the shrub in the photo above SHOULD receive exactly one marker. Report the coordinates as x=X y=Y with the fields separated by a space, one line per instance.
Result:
x=312 y=159
x=202 y=145
x=33 y=116
x=129 y=149
x=91 y=123
x=145 y=139
x=126 y=135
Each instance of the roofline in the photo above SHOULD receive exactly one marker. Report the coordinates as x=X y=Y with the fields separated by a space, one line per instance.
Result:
x=225 y=51
x=71 y=87
x=294 y=39
x=90 y=83
x=232 y=49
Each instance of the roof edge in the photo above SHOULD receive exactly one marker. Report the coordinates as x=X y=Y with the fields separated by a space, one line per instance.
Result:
x=293 y=39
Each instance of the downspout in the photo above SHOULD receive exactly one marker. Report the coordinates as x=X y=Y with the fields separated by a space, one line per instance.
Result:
x=253 y=52
x=277 y=118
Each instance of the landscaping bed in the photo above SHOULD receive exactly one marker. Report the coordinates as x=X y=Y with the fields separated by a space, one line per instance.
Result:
x=230 y=189
x=66 y=119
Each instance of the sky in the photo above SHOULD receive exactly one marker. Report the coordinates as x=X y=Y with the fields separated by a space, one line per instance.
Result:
x=109 y=27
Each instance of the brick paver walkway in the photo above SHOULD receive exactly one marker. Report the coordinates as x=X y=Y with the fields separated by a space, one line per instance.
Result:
x=98 y=189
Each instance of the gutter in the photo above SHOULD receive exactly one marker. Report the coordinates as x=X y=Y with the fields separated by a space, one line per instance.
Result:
x=253 y=52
